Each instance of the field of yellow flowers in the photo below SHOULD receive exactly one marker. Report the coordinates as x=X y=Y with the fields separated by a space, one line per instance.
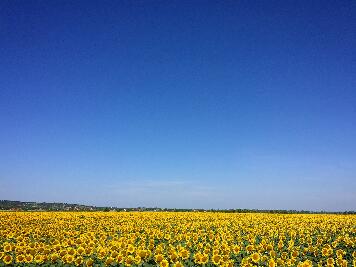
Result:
x=175 y=239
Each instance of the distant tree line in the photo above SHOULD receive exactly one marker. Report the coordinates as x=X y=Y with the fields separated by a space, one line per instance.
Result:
x=45 y=206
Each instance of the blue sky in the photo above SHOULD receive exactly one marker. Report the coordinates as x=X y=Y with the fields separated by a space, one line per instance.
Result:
x=189 y=104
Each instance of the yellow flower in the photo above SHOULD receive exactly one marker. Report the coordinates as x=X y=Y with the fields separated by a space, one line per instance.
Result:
x=249 y=248
x=269 y=247
x=159 y=258
x=130 y=249
x=229 y=263
x=119 y=258
x=271 y=263
x=80 y=250
x=89 y=262
x=78 y=261
x=138 y=260
x=142 y=253
x=54 y=257
x=139 y=238
x=255 y=257
x=216 y=259
x=236 y=249
x=38 y=259
x=272 y=254
x=204 y=258
x=20 y=258
x=184 y=254
x=294 y=254
x=28 y=258
x=71 y=251
x=178 y=264
x=62 y=253
x=7 y=247
x=164 y=263
x=197 y=258
x=330 y=261
x=7 y=259
x=129 y=260
x=109 y=261
x=340 y=253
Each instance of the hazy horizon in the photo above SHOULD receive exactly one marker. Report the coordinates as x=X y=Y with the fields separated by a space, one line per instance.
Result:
x=179 y=104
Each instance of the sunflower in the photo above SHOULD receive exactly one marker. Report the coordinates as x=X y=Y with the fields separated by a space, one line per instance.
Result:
x=229 y=263
x=130 y=249
x=159 y=258
x=20 y=258
x=178 y=264
x=164 y=263
x=269 y=247
x=54 y=257
x=307 y=263
x=88 y=250
x=184 y=254
x=236 y=249
x=78 y=261
x=102 y=254
x=28 y=258
x=89 y=262
x=109 y=261
x=71 y=251
x=216 y=259
x=62 y=253
x=119 y=258
x=344 y=263
x=294 y=254
x=69 y=259
x=138 y=260
x=339 y=261
x=38 y=259
x=330 y=261
x=264 y=258
x=80 y=250
x=271 y=263
x=204 y=258
x=114 y=253
x=255 y=257
x=272 y=254
x=340 y=253
x=284 y=255
x=7 y=259
x=249 y=248
x=280 y=262
x=7 y=247
x=197 y=258
x=129 y=260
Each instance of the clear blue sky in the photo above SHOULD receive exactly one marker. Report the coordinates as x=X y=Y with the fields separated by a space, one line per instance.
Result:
x=191 y=104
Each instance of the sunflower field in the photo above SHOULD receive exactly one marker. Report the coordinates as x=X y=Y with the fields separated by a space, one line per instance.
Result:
x=176 y=239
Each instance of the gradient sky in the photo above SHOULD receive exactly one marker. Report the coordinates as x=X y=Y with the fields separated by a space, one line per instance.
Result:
x=187 y=104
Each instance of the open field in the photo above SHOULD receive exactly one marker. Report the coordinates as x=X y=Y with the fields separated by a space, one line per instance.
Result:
x=176 y=239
